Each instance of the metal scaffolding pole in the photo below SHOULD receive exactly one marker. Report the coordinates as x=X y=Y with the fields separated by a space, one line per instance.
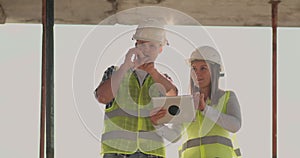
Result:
x=274 y=76
x=2 y=15
x=47 y=89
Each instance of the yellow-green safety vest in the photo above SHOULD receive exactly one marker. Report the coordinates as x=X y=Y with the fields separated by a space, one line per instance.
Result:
x=206 y=139
x=127 y=123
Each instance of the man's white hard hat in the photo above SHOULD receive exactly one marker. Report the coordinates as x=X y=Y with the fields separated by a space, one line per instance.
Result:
x=206 y=53
x=151 y=30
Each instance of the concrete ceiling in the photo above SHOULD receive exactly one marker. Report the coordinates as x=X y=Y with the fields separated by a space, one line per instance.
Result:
x=206 y=12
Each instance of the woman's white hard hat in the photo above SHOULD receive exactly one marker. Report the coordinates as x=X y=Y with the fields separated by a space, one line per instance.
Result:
x=206 y=53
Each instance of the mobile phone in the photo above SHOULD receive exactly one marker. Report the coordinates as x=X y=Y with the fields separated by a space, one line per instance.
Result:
x=133 y=57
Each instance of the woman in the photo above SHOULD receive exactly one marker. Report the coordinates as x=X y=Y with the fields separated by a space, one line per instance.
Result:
x=218 y=112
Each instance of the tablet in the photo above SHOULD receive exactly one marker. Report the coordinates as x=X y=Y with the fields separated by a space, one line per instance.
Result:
x=180 y=109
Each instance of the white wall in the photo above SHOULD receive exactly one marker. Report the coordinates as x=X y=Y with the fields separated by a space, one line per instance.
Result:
x=80 y=62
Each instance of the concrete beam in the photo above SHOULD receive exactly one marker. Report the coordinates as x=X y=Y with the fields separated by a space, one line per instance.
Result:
x=2 y=15
x=206 y=12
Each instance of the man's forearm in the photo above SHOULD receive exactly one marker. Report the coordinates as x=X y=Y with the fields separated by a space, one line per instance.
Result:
x=108 y=89
x=171 y=89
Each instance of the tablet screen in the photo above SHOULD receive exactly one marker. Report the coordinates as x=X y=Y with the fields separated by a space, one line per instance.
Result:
x=180 y=109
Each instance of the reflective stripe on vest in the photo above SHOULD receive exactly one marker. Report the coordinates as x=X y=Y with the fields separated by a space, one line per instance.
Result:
x=132 y=136
x=206 y=140
x=238 y=152
x=127 y=113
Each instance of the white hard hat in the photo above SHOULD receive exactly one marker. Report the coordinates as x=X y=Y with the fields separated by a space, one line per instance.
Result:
x=206 y=53
x=151 y=30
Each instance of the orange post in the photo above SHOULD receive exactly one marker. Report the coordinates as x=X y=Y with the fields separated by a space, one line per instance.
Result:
x=274 y=76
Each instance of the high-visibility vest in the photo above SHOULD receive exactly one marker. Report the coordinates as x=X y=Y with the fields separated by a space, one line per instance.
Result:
x=206 y=139
x=128 y=127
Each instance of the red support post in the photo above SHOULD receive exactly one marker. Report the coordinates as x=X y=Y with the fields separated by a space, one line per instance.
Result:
x=274 y=76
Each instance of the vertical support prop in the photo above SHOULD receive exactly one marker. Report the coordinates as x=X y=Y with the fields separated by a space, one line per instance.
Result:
x=2 y=15
x=47 y=89
x=274 y=76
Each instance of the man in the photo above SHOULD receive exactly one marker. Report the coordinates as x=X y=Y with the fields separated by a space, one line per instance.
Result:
x=130 y=131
